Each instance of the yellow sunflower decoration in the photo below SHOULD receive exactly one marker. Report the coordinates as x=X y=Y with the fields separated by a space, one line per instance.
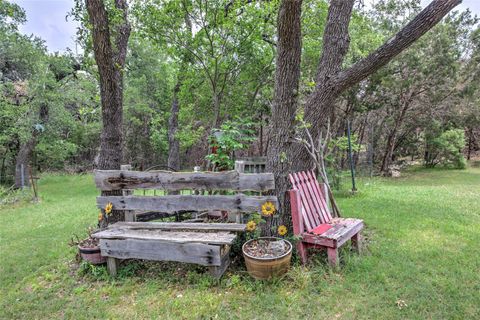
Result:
x=100 y=216
x=108 y=208
x=251 y=226
x=282 y=230
x=268 y=209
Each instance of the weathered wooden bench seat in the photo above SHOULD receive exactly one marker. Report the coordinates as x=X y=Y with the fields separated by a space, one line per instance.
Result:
x=206 y=244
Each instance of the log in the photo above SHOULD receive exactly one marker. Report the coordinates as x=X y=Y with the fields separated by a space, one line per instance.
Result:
x=174 y=181
x=220 y=237
x=174 y=203
x=218 y=271
x=234 y=227
x=199 y=253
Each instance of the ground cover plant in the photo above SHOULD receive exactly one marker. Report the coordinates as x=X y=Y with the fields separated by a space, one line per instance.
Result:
x=421 y=261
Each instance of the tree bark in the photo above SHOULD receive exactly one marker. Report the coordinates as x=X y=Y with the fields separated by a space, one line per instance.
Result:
x=331 y=80
x=25 y=153
x=392 y=137
x=110 y=54
x=22 y=161
x=173 y=143
x=287 y=77
x=110 y=58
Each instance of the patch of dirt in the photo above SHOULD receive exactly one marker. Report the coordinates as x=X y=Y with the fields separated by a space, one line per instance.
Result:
x=263 y=248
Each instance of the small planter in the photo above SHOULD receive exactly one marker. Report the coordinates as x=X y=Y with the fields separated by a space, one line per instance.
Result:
x=267 y=266
x=92 y=254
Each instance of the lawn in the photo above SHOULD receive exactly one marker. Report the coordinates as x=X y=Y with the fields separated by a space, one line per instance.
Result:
x=422 y=261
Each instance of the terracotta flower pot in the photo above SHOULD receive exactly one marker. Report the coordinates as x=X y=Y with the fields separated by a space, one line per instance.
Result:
x=92 y=255
x=266 y=268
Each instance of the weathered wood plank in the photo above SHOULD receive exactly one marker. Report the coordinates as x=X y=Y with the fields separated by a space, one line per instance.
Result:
x=253 y=160
x=218 y=271
x=170 y=204
x=235 y=227
x=350 y=233
x=174 y=181
x=112 y=266
x=199 y=253
x=219 y=237
x=357 y=242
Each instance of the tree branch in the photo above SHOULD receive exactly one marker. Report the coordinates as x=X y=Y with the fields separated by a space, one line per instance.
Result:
x=335 y=39
x=416 y=28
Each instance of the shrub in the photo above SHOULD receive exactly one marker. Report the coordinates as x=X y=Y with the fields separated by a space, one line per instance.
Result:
x=446 y=149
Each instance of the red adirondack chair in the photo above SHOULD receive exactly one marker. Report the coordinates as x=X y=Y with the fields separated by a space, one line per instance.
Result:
x=313 y=222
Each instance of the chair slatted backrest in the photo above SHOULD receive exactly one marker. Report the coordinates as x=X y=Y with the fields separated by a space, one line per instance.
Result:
x=315 y=210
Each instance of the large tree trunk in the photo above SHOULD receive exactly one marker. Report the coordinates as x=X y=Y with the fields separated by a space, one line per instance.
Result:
x=110 y=58
x=287 y=77
x=331 y=80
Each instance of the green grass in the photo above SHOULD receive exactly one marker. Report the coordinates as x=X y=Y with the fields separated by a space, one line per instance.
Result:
x=423 y=236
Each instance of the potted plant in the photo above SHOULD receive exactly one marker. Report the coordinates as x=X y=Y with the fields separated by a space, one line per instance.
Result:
x=88 y=248
x=266 y=257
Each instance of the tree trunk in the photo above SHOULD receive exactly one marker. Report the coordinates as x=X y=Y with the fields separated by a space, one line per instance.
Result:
x=173 y=143
x=470 y=144
x=331 y=80
x=23 y=161
x=25 y=153
x=287 y=77
x=216 y=108
x=110 y=60
x=390 y=147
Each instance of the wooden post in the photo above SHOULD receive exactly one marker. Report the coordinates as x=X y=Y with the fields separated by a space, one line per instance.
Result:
x=129 y=214
x=240 y=168
x=333 y=257
x=218 y=271
x=112 y=266
x=357 y=242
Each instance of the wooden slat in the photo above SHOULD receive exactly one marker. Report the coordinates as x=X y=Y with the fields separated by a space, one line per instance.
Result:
x=319 y=198
x=310 y=223
x=306 y=221
x=315 y=209
x=343 y=229
x=199 y=253
x=174 y=181
x=219 y=237
x=234 y=227
x=233 y=203
x=253 y=160
x=305 y=185
x=151 y=215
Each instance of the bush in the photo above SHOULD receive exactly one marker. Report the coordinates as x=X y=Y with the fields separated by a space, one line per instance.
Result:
x=446 y=149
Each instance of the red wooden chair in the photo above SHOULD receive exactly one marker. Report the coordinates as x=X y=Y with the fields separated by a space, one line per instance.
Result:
x=313 y=222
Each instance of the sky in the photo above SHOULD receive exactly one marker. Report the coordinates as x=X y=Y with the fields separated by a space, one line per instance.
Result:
x=46 y=19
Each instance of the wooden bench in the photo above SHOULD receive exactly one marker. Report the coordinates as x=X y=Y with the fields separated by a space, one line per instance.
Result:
x=206 y=244
x=313 y=222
